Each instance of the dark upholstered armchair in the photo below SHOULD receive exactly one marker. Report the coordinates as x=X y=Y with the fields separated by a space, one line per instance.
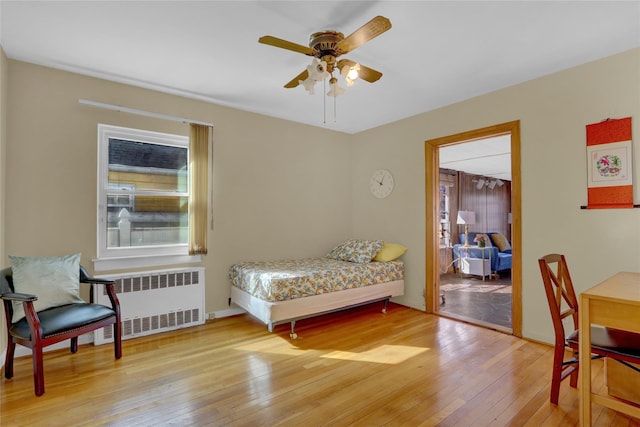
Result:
x=40 y=329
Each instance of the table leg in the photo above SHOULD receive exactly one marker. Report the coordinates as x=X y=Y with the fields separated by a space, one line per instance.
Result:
x=585 y=362
x=482 y=250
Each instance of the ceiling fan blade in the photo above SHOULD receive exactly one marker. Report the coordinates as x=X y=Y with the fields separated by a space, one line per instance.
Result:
x=365 y=73
x=284 y=44
x=369 y=74
x=295 y=82
x=371 y=29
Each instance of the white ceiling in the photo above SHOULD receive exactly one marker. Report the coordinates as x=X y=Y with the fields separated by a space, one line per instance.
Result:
x=437 y=52
x=490 y=157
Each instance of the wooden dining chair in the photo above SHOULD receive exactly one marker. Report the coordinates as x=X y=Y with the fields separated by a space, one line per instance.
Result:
x=605 y=342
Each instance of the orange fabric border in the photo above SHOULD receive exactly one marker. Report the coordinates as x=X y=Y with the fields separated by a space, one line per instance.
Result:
x=611 y=197
x=611 y=130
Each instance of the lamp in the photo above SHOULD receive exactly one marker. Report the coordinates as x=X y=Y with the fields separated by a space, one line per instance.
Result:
x=490 y=184
x=466 y=218
x=335 y=89
x=350 y=73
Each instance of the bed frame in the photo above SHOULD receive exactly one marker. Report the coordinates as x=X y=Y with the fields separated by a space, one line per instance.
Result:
x=275 y=313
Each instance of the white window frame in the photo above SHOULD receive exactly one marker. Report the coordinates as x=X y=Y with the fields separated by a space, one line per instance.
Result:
x=143 y=256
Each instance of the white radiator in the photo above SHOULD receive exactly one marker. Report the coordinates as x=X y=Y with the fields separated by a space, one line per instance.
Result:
x=154 y=301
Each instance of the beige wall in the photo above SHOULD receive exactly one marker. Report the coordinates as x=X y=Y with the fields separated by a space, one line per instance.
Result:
x=288 y=190
x=281 y=190
x=3 y=180
x=553 y=112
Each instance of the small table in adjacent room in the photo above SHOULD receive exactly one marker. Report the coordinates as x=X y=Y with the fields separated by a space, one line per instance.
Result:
x=614 y=303
x=475 y=266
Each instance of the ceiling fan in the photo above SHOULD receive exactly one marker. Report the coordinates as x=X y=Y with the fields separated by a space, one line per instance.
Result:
x=325 y=47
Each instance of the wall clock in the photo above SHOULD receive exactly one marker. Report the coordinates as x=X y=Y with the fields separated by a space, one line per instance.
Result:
x=381 y=184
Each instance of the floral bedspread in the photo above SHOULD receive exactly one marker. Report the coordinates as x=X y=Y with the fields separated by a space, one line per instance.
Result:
x=289 y=279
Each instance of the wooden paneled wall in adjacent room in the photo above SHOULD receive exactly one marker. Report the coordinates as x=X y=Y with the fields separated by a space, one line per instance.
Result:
x=491 y=205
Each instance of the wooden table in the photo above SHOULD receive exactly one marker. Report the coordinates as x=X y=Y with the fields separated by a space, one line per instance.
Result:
x=613 y=303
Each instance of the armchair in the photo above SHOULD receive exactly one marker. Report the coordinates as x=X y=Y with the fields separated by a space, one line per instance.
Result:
x=39 y=329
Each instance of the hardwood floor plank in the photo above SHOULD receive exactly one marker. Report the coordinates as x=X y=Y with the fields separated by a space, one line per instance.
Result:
x=356 y=368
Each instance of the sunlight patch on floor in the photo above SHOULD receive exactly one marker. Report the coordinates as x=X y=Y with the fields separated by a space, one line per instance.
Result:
x=275 y=345
x=389 y=354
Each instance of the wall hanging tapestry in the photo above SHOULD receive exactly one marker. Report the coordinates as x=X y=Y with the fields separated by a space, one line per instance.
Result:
x=609 y=162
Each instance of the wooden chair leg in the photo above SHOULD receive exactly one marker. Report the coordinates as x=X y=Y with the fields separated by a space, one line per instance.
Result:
x=117 y=340
x=74 y=345
x=556 y=375
x=38 y=370
x=8 y=361
x=573 y=381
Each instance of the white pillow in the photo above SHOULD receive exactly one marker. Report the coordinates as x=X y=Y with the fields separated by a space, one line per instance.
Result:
x=54 y=280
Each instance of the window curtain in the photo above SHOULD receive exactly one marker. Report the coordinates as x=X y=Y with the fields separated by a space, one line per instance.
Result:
x=198 y=180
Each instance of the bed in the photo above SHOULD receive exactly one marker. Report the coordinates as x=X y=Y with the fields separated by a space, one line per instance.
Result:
x=284 y=291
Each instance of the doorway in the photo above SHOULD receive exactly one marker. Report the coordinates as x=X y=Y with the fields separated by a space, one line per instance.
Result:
x=437 y=222
x=475 y=188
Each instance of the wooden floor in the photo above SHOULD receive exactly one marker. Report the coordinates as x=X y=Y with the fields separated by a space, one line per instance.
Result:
x=356 y=368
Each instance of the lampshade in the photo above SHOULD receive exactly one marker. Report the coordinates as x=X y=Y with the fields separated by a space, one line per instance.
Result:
x=350 y=73
x=318 y=70
x=335 y=89
x=466 y=217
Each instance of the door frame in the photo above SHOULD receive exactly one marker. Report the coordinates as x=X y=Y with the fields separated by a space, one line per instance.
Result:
x=432 y=180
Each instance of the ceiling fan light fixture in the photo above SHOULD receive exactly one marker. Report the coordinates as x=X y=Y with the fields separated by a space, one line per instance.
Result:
x=318 y=70
x=308 y=84
x=335 y=89
x=350 y=73
x=325 y=47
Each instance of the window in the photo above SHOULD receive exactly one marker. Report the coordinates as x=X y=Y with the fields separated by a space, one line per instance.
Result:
x=445 y=224
x=143 y=193
x=446 y=187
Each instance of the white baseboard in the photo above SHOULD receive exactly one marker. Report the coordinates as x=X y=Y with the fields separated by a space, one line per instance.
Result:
x=232 y=311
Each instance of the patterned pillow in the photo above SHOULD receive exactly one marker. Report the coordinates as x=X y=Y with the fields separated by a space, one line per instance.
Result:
x=500 y=241
x=356 y=250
